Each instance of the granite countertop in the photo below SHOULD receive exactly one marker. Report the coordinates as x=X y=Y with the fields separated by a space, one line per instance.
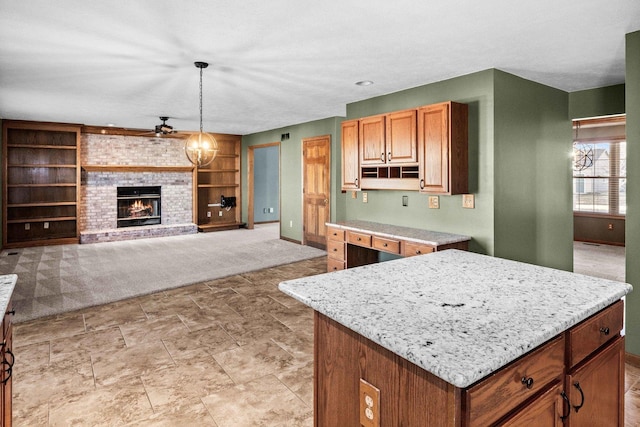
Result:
x=457 y=314
x=417 y=235
x=7 y=283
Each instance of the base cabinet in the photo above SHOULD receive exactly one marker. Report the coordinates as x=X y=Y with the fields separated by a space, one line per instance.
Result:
x=541 y=388
x=6 y=377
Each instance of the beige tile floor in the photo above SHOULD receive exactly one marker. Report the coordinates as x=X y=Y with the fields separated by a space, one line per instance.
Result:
x=229 y=352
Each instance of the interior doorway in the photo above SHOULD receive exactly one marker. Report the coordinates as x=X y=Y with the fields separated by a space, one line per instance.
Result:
x=316 y=170
x=263 y=184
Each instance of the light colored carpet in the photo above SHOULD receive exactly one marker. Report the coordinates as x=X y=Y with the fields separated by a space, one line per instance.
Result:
x=604 y=261
x=57 y=279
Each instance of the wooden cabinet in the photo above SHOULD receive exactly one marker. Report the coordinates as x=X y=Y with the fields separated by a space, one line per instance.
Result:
x=540 y=388
x=336 y=255
x=220 y=178
x=41 y=183
x=416 y=149
x=371 y=137
x=350 y=156
x=6 y=375
x=443 y=148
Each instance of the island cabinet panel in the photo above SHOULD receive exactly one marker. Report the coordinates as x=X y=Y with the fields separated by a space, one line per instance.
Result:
x=505 y=390
x=595 y=388
x=409 y=396
x=350 y=154
x=545 y=410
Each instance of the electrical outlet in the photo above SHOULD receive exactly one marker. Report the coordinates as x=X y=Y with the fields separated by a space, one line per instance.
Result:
x=27 y=226
x=369 y=405
x=354 y=194
x=46 y=225
x=434 y=202
x=290 y=224
x=405 y=200
x=270 y=210
x=468 y=201
x=365 y=197
x=220 y=213
x=610 y=227
x=208 y=214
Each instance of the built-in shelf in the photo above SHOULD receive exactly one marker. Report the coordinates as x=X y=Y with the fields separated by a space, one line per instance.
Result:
x=134 y=168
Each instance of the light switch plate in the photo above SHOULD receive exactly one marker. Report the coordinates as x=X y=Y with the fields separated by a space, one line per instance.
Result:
x=434 y=202
x=365 y=197
x=369 y=405
x=468 y=201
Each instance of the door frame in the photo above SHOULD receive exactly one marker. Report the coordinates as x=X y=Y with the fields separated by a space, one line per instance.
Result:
x=303 y=163
x=251 y=176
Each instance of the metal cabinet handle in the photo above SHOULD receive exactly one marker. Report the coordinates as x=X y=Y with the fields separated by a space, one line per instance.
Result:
x=577 y=385
x=422 y=184
x=389 y=156
x=356 y=182
x=382 y=157
x=527 y=382
x=12 y=312
x=604 y=331
x=568 y=406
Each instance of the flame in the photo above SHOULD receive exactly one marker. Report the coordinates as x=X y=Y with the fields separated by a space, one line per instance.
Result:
x=139 y=209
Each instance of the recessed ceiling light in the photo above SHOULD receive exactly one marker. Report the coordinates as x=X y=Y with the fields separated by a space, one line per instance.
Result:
x=364 y=83
x=110 y=125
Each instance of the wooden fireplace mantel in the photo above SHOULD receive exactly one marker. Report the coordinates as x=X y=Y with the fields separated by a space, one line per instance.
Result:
x=136 y=168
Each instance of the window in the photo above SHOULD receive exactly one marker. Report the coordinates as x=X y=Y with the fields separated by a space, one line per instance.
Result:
x=600 y=173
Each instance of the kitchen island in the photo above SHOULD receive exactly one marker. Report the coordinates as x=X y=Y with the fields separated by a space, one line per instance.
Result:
x=460 y=339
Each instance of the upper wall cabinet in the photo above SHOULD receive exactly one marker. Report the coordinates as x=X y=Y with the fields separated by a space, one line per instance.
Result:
x=350 y=153
x=417 y=149
x=443 y=148
x=372 y=143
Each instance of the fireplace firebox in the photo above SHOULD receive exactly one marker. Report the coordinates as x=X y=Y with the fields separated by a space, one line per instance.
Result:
x=138 y=206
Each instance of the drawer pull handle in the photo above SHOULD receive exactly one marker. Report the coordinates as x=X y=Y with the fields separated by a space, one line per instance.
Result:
x=335 y=249
x=604 y=331
x=384 y=245
x=418 y=252
x=577 y=385
x=12 y=312
x=565 y=400
x=528 y=382
x=359 y=239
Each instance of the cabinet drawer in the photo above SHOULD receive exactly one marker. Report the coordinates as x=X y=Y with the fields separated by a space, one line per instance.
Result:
x=411 y=249
x=335 y=250
x=334 y=233
x=588 y=336
x=360 y=239
x=387 y=245
x=504 y=391
x=335 y=265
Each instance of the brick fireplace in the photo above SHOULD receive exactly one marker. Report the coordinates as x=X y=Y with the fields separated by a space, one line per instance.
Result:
x=112 y=161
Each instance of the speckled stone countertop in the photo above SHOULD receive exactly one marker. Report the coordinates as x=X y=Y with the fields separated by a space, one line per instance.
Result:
x=457 y=314
x=417 y=235
x=7 y=283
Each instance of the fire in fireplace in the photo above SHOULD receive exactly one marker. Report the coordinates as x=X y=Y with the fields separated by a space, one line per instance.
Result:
x=138 y=206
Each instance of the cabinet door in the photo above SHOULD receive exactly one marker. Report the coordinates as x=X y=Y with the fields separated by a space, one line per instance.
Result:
x=350 y=163
x=401 y=140
x=443 y=148
x=433 y=128
x=596 y=389
x=372 y=145
x=546 y=410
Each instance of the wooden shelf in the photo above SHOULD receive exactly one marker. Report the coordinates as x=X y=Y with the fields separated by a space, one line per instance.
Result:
x=218 y=170
x=48 y=165
x=63 y=184
x=134 y=168
x=36 y=204
x=218 y=185
x=52 y=219
x=54 y=147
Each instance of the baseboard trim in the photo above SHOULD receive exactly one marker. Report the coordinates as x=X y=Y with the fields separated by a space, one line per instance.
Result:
x=290 y=240
x=632 y=359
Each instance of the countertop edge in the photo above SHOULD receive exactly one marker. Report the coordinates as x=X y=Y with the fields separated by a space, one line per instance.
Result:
x=449 y=237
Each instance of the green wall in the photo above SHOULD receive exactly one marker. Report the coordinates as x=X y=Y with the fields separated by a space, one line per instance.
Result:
x=532 y=171
x=632 y=238
x=602 y=101
x=476 y=90
x=291 y=170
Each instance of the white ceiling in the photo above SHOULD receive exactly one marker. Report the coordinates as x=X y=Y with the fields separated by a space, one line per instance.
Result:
x=280 y=62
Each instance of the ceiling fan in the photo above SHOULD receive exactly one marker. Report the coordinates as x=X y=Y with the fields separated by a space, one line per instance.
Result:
x=164 y=128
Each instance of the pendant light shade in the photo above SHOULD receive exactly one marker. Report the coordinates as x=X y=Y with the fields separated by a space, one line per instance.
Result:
x=201 y=148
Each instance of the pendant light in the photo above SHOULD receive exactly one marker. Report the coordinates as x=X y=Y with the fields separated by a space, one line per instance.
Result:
x=201 y=148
